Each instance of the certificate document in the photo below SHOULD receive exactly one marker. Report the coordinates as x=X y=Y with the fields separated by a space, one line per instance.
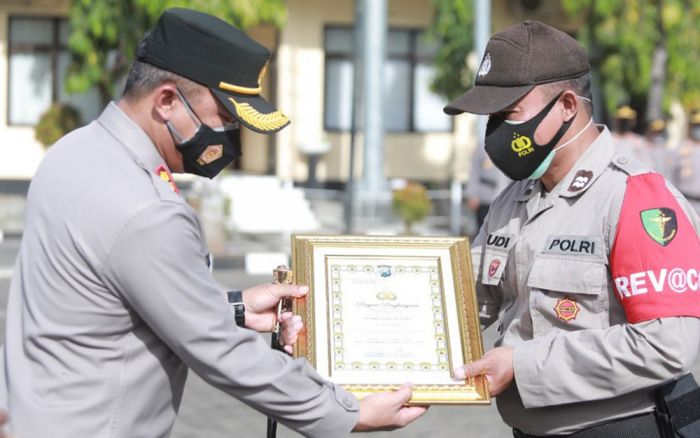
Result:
x=380 y=315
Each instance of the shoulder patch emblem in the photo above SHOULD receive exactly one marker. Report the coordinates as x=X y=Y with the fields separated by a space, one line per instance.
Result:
x=660 y=224
x=567 y=309
x=166 y=176
x=580 y=180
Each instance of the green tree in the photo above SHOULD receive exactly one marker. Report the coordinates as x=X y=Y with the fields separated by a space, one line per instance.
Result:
x=452 y=28
x=412 y=204
x=645 y=52
x=104 y=33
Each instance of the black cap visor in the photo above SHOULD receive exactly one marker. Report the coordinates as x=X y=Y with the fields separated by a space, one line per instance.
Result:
x=253 y=111
x=486 y=99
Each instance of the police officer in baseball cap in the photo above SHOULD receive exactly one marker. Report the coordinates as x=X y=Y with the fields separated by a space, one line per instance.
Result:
x=572 y=259
x=112 y=298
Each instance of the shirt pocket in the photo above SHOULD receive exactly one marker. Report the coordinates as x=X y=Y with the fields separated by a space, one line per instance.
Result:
x=567 y=294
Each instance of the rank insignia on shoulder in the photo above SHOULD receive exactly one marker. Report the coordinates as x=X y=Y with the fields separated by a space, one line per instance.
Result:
x=581 y=179
x=164 y=174
x=566 y=309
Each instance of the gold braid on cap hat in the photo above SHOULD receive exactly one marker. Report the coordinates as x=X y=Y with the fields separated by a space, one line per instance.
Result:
x=264 y=122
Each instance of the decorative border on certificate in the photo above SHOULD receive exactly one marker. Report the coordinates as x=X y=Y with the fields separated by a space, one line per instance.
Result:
x=382 y=311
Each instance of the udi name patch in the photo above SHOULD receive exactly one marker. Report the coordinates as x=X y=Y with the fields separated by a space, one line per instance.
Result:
x=655 y=260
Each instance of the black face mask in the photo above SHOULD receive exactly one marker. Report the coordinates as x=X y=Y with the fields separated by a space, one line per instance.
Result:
x=209 y=150
x=512 y=147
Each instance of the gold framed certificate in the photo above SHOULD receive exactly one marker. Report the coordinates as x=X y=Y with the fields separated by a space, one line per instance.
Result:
x=382 y=311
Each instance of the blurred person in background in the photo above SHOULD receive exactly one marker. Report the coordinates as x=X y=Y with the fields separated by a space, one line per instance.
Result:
x=624 y=137
x=685 y=163
x=657 y=146
x=485 y=183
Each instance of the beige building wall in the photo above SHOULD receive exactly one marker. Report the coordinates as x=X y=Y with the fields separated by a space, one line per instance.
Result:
x=20 y=153
x=428 y=157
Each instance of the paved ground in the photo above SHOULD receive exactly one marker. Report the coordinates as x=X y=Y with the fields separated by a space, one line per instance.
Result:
x=209 y=413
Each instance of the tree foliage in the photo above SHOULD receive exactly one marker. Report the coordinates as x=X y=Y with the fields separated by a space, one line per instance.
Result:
x=644 y=53
x=412 y=204
x=56 y=122
x=104 y=33
x=452 y=28
x=623 y=37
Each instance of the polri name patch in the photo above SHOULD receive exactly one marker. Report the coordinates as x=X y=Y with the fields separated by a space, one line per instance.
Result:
x=574 y=245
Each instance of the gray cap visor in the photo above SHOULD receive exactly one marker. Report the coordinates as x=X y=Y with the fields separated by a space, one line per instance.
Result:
x=486 y=99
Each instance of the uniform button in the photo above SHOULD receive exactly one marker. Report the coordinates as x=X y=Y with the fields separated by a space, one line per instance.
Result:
x=347 y=401
x=623 y=160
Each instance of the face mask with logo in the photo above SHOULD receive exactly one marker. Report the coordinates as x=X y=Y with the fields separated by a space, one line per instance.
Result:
x=513 y=150
x=209 y=150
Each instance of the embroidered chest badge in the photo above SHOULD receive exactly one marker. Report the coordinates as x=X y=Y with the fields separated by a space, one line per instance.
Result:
x=567 y=309
x=660 y=224
x=211 y=154
x=493 y=267
x=166 y=176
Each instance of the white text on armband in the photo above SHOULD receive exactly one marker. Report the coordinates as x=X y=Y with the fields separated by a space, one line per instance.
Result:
x=676 y=279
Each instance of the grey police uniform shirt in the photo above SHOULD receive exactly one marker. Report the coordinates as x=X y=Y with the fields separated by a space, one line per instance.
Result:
x=485 y=180
x=685 y=171
x=112 y=301
x=541 y=256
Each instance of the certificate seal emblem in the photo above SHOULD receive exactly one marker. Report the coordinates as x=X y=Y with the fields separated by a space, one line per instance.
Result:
x=567 y=309
x=384 y=271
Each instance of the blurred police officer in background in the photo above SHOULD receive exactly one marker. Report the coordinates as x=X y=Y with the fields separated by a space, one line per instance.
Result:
x=485 y=183
x=657 y=146
x=112 y=298
x=587 y=262
x=685 y=165
x=624 y=137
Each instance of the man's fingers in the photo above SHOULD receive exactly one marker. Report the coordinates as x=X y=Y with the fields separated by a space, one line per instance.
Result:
x=409 y=413
x=402 y=395
x=473 y=369
x=288 y=290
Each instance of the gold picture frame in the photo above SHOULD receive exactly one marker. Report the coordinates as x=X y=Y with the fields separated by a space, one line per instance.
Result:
x=385 y=309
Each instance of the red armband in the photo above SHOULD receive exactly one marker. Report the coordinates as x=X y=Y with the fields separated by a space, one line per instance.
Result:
x=655 y=259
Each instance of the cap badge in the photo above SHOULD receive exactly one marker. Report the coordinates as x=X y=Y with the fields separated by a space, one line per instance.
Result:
x=211 y=153
x=580 y=180
x=521 y=145
x=263 y=122
x=485 y=65
x=164 y=174
x=567 y=309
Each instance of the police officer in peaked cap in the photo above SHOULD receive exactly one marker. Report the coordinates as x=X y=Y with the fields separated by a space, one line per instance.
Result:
x=112 y=298
x=588 y=262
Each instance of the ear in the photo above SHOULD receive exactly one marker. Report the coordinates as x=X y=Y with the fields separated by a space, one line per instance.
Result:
x=570 y=105
x=164 y=100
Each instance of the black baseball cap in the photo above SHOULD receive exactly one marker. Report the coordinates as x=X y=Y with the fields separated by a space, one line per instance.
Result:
x=515 y=61
x=213 y=53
